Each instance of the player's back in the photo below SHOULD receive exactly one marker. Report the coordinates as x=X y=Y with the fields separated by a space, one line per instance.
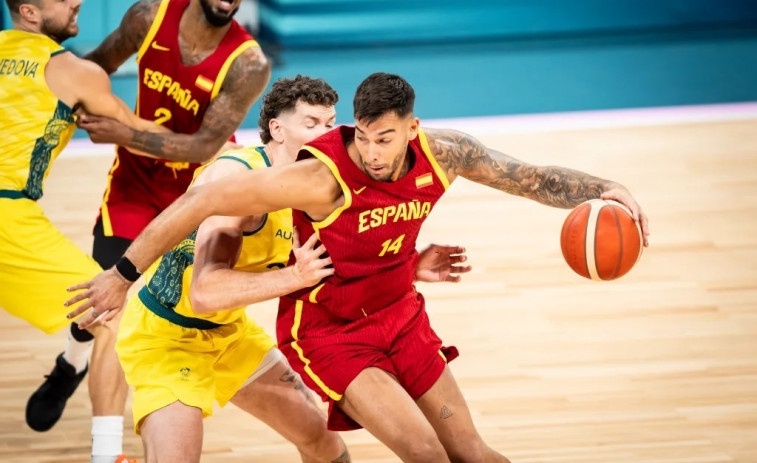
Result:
x=371 y=239
x=34 y=124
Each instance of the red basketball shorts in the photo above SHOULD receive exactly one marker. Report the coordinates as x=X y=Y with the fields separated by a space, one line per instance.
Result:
x=329 y=352
x=139 y=188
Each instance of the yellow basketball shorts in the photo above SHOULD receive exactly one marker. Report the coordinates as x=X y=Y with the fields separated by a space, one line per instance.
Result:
x=37 y=264
x=165 y=362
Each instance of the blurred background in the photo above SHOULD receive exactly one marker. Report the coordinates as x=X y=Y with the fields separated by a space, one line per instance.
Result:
x=496 y=57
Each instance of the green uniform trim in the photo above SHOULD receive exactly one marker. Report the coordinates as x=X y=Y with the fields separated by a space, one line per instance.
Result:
x=260 y=150
x=58 y=52
x=13 y=194
x=172 y=316
x=228 y=156
x=61 y=120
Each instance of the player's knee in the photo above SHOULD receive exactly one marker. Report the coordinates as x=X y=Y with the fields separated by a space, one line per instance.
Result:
x=314 y=439
x=428 y=450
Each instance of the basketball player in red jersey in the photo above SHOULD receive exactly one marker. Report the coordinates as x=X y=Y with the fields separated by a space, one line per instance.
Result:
x=199 y=73
x=363 y=333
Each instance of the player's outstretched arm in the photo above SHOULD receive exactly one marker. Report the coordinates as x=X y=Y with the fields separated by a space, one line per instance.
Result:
x=306 y=185
x=217 y=286
x=78 y=82
x=461 y=154
x=244 y=83
x=127 y=38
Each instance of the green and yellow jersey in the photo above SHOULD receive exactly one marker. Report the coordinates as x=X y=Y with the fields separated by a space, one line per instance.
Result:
x=168 y=280
x=34 y=125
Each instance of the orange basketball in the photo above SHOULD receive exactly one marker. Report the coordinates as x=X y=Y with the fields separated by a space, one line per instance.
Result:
x=600 y=240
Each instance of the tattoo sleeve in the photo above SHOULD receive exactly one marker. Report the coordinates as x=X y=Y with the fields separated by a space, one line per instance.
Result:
x=244 y=83
x=461 y=154
x=127 y=38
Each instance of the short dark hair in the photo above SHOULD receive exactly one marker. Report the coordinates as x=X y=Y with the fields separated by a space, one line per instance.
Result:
x=15 y=5
x=382 y=93
x=284 y=95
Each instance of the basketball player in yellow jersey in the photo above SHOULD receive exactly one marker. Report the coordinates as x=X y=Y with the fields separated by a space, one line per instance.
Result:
x=40 y=85
x=185 y=340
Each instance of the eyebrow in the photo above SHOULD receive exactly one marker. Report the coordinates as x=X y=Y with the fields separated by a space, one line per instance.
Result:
x=380 y=133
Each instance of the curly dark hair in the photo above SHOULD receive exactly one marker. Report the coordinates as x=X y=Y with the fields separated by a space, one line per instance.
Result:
x=382 y=93
x=284 y=95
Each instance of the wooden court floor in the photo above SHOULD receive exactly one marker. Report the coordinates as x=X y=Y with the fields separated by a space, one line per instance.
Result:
x=657 y=367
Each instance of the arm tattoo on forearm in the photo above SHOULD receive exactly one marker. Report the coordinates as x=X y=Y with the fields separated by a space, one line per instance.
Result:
x=245 y=81
x=461 y=154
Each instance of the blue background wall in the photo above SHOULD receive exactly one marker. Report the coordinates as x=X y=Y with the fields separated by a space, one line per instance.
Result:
x=501 y=57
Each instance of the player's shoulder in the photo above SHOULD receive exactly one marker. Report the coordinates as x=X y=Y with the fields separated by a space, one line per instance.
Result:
x=75 y=66
x=251 y=157
x=143 y=11
x=67 y=63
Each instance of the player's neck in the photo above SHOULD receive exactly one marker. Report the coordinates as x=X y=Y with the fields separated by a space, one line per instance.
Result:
x=26 y=27
x=277 y=153
x=196 y=33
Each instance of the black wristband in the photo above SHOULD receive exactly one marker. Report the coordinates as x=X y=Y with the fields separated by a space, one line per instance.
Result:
x=127 y=269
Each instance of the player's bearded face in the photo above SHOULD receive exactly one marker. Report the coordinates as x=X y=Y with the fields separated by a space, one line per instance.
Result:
x=382 y=145
x=219 y=12
x=60 y=19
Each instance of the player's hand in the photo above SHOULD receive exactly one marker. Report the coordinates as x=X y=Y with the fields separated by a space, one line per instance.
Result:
x=104 y=129
x=310 y=267
x=623 y=196
x=105 y=294
x=437 y=263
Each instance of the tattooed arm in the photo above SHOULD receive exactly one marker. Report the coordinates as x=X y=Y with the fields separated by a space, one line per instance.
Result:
x=244 y=83
x=127 y=38
x=461 y=154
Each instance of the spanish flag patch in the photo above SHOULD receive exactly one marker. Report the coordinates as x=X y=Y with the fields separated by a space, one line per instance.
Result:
x=424 y=180
x=204 y=83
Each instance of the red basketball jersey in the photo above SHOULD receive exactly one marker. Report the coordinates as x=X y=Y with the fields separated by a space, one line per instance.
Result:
x=371 y=238
x=176 y=95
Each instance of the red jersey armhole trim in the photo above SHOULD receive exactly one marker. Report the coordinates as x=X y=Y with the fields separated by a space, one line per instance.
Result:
x=432 y=159
x=345 y=189
x=227 y=64
x=153 y=28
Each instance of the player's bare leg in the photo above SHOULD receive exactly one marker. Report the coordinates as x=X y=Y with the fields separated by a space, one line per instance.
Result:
x=446 y=410
x=173 y=433
x=107 y=392
x=377 y=401
x=107 y=385
x=280 y=399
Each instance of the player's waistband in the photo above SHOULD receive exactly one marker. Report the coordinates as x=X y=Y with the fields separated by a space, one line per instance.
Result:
x=171 y=315
x=13 y=194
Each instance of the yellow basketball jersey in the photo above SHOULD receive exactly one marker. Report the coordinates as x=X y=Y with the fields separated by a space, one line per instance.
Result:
x=34 y=124
x=168 y=280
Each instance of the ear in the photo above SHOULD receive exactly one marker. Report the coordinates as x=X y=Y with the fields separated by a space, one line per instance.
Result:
x=415 y=124
x=277 y=131
x=30 y=13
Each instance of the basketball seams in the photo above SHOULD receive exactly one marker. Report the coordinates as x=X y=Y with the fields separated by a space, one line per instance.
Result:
x=595 y=206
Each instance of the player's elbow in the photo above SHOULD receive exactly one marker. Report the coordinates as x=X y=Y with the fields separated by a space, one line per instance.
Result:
x=201 y=300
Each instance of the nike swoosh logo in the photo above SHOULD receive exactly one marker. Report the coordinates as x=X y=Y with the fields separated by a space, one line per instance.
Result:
x=359 y=190
x=159 y=47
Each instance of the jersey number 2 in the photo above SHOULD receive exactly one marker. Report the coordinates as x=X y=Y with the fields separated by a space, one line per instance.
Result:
x=162 y=115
